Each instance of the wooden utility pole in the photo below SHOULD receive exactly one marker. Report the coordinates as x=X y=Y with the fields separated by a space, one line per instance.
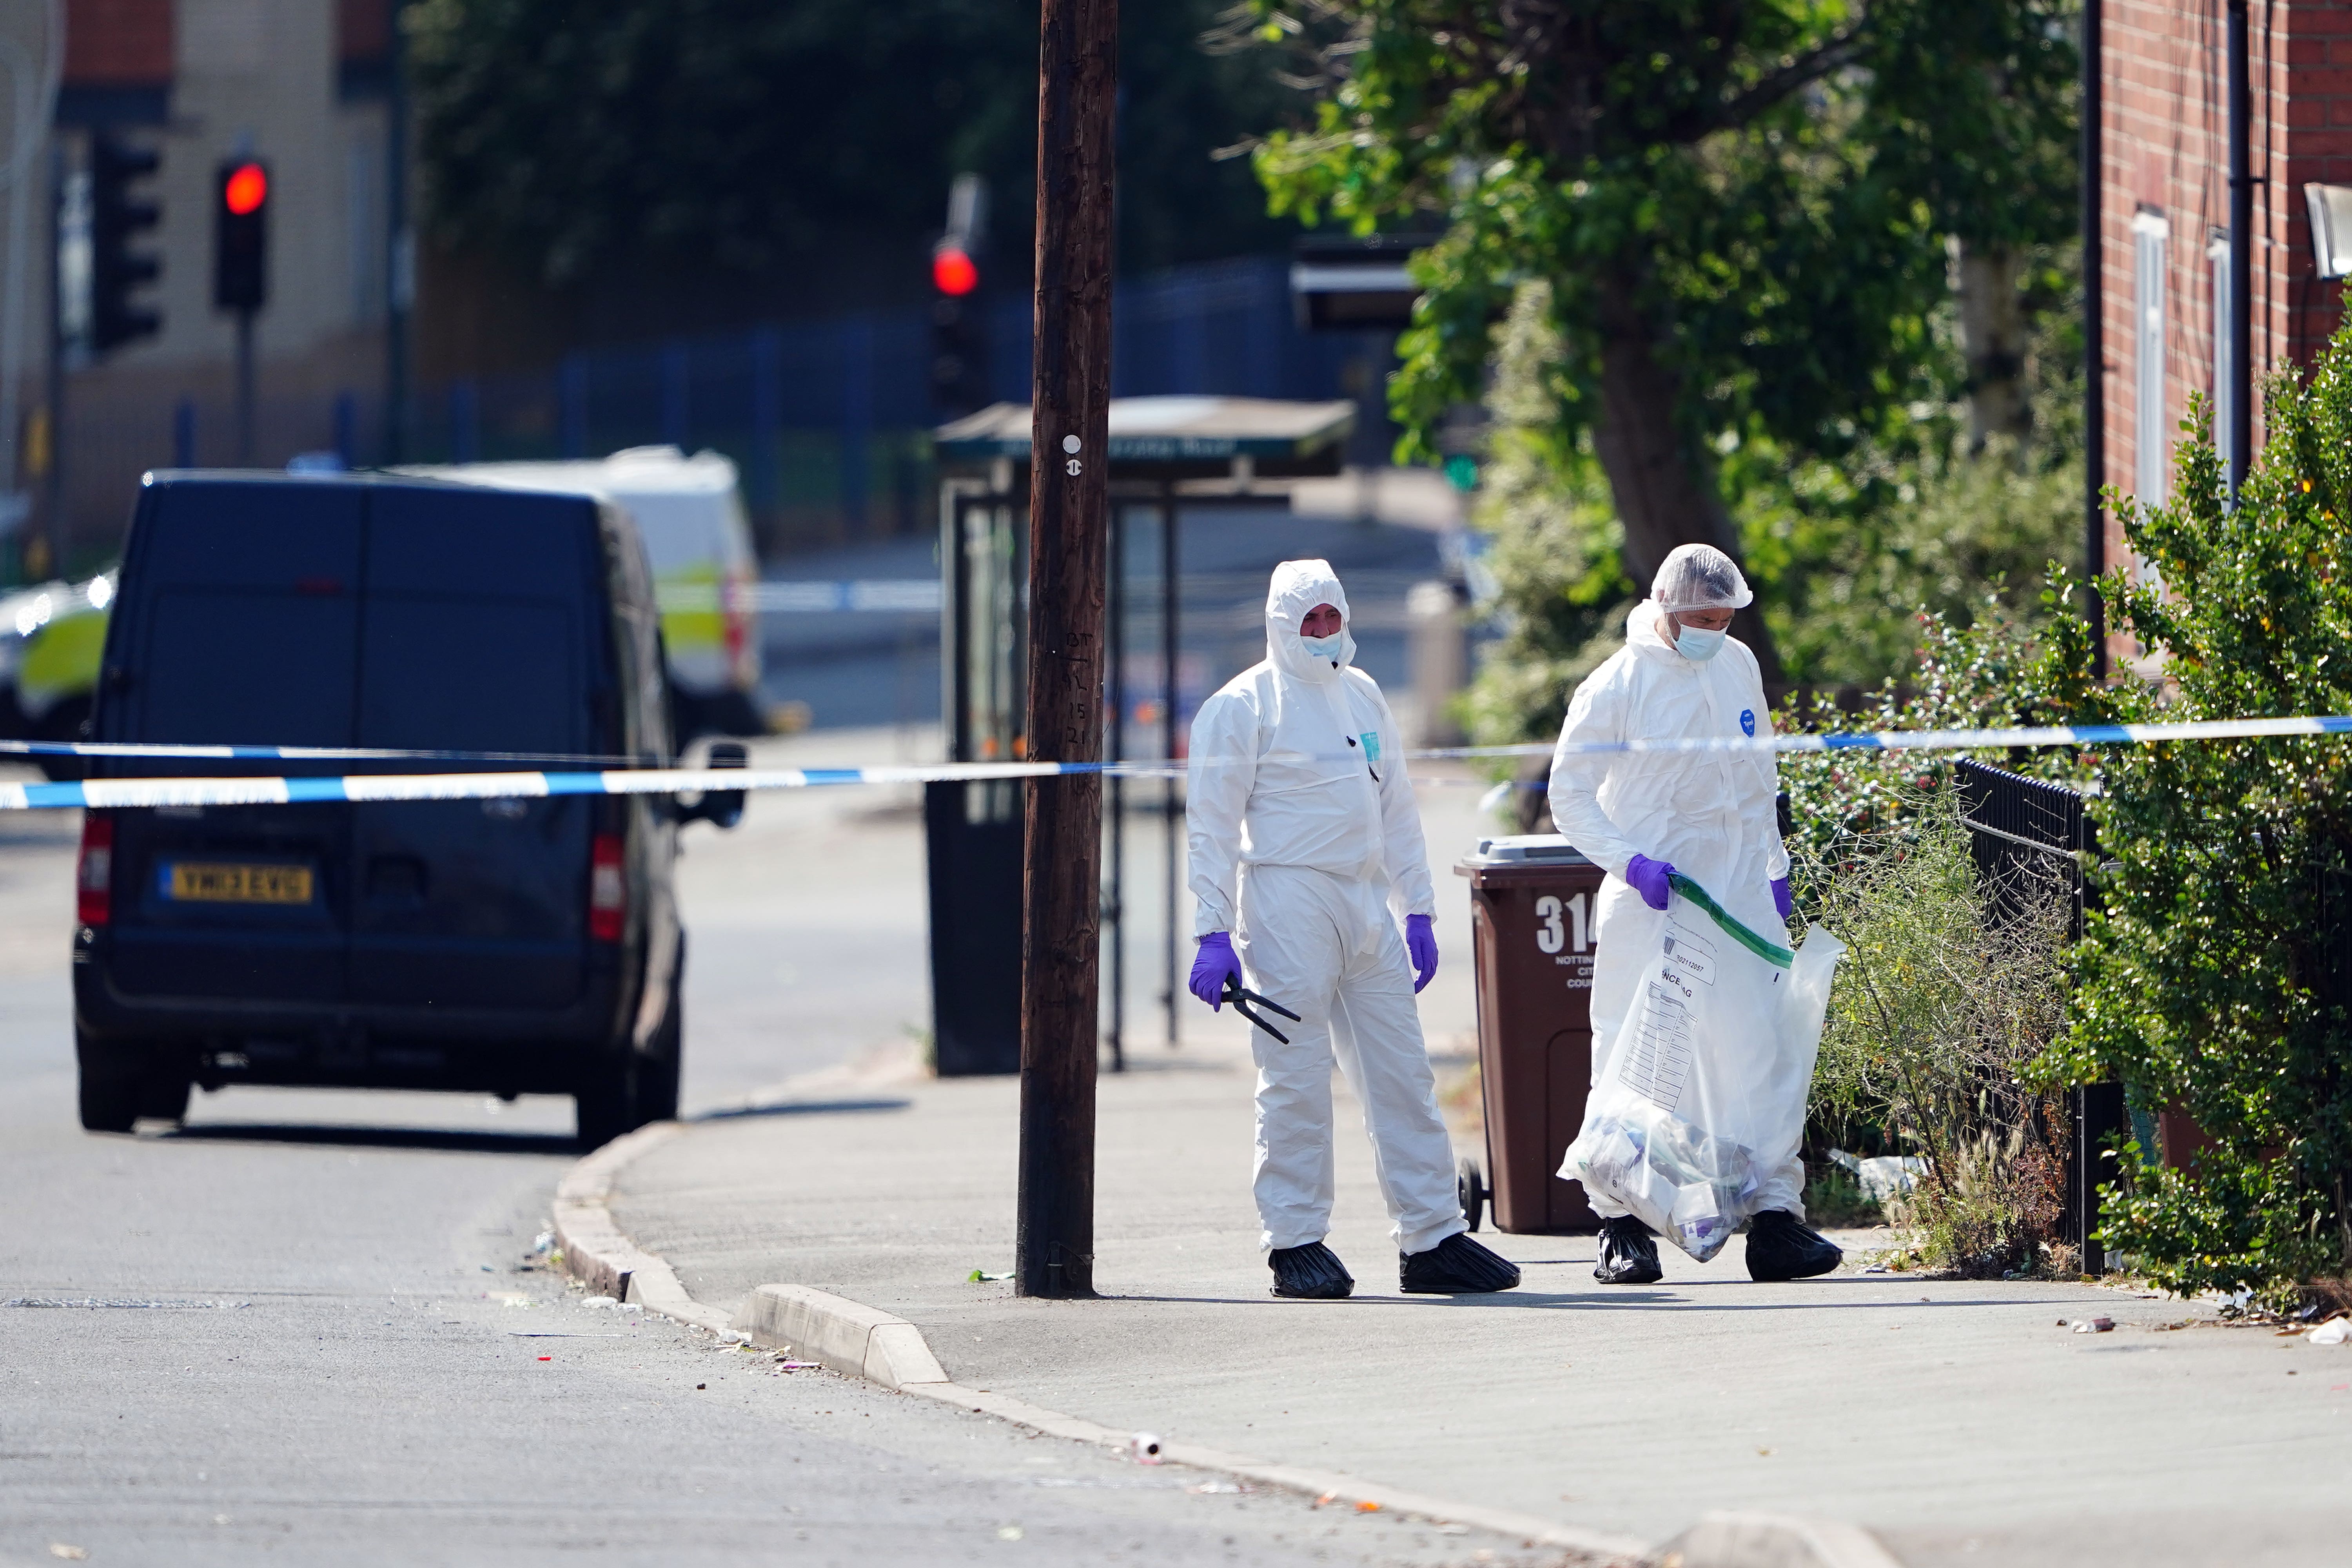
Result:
x=1069 y=503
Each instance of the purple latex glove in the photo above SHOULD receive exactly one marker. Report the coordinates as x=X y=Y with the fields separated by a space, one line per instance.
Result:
x=1211 y=966
x=1781 y=901
x=1648 y=878
x=1421 y=944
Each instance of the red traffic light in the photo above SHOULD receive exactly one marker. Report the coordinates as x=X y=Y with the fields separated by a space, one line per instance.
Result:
x=247 y=187
x=952 y=271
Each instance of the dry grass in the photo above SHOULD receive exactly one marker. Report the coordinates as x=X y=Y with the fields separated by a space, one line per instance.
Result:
x=1940 y=1006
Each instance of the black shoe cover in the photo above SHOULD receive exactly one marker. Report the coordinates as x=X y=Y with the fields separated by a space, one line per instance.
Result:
x=1782 y=1247
x=1311 y=1273
x=1629 y=1256
x=1454 y=1267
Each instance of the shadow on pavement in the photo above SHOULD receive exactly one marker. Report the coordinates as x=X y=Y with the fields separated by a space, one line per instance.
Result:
x=800 y=1108
x=445 y=1139
x=1604 y=1298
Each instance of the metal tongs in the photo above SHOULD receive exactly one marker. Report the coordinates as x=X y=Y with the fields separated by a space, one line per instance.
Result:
x=1241 y=999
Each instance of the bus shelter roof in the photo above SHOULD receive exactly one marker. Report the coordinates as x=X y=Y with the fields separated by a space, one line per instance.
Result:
x=1176 y=437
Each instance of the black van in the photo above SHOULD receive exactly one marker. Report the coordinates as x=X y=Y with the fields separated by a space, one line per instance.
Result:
x=506 y=946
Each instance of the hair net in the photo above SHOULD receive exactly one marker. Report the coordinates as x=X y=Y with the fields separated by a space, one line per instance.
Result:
x=1699 y=577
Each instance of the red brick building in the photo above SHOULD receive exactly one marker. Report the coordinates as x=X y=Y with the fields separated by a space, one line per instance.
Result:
x=2165 y=208
x=301 y=83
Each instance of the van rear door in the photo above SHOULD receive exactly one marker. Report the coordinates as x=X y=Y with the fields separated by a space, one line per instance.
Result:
x=243 y=630
x=476 y=634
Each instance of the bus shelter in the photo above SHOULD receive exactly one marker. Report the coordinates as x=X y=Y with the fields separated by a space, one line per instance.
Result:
x=1166 y=454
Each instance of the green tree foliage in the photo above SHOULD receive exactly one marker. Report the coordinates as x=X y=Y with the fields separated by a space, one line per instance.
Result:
x=1872 y=567
x=752 y=135
x=1915 y=519
x=2216 y=979
x=1740 y=205
x=1554 y=552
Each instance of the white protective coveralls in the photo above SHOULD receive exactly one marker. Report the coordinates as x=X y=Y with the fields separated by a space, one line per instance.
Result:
x=1298 y=793
x=1711 y=813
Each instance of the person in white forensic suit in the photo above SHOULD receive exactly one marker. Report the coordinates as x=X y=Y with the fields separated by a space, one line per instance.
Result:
x=1306 y=849
x=1712 y=816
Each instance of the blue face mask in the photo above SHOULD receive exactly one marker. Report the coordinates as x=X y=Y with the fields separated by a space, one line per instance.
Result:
x=1338 y=646
x=1698 y=645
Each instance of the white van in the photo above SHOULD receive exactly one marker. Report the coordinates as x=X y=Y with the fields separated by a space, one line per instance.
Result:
x=690 y=514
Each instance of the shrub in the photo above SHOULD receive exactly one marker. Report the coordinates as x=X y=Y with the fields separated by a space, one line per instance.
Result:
x=2213 y=982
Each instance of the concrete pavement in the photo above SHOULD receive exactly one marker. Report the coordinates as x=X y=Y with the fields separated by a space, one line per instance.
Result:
x=1956 y=1419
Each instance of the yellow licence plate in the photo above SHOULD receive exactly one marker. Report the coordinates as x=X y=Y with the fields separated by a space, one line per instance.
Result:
x=198 y=882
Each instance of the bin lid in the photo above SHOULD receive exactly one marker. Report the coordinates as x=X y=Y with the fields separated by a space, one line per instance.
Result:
x=1523 y=849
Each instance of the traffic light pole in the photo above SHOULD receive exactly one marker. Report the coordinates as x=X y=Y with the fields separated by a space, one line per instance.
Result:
x=41 y=541
x=1068 y=546
x=245 y=389
x=400 y=249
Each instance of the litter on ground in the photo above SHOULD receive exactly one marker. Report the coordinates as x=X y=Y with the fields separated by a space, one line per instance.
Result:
x=1882 y=1176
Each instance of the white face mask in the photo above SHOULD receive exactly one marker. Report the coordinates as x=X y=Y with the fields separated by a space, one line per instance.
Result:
x=1698 y=645
x=1334 y=649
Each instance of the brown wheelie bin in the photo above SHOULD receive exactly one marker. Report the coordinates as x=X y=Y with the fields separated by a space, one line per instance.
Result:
x=1531 y=918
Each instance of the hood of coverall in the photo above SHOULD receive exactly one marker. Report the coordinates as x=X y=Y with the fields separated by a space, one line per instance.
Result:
x=1297 y=587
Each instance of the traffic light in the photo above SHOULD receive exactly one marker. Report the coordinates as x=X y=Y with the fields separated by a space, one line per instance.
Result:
x=959 y=353
x=241 y=235
x=952 y=272
x=959 y=318
x=117 y=272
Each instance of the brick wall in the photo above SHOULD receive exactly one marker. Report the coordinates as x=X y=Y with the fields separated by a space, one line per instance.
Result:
x=2166 y=166
x=362 y=29
x=118 y=43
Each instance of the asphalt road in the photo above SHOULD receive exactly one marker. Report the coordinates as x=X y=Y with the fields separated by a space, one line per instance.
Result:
x=311 y=1327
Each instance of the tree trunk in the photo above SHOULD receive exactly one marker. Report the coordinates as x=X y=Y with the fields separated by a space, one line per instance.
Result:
x=1992 y=340
x=1664 y=486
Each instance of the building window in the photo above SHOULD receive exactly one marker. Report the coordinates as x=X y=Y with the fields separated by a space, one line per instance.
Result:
x=2151 y=445
x=2225 y=390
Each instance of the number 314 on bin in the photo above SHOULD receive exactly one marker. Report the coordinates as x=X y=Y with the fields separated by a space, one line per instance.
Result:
x=1559 y=920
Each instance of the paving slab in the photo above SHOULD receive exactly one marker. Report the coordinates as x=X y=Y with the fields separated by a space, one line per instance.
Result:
x=1955 y=1418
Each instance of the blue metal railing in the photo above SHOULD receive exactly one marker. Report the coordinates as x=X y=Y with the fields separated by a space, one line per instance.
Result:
x=829 y=420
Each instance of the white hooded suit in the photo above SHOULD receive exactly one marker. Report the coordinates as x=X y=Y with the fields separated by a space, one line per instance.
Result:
x=1711 y=813
x=1306 y=845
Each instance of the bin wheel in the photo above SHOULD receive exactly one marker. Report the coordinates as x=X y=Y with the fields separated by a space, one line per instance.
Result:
x=1470 y=1183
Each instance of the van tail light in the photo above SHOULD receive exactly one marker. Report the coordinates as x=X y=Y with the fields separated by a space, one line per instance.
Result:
x=736 y=626
x=608 y=889
x=94 y=878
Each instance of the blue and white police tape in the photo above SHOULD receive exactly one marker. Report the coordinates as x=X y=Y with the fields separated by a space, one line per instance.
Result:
x=153 y=792
x=1930 y=739
x=486 y=785
x=285 y=753
x=1863 y=739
